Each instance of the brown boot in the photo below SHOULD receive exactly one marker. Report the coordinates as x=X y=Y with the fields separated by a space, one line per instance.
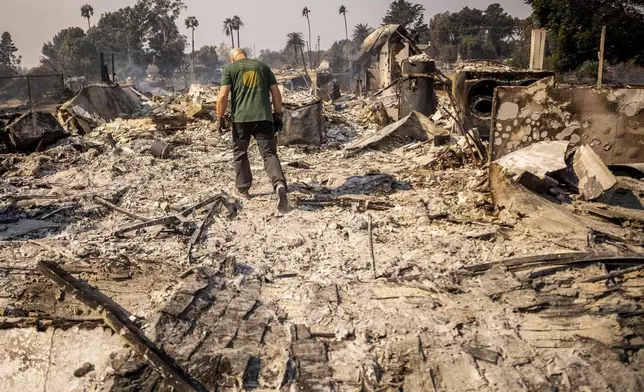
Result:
x=282 y=199
x=242 y=194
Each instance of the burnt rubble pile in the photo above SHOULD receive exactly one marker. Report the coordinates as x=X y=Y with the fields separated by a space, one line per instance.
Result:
x=30 y=131
x=97 y=104
x=504 y=262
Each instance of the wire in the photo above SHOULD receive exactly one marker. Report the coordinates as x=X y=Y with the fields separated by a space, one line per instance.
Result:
x=477 y=28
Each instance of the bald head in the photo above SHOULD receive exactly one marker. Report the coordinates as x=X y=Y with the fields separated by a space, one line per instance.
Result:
x=237 y=54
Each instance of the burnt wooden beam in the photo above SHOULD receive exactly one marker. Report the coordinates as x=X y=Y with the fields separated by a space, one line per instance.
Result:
x=43 y=323
x=196 y=236
x=119 y=320
x=560 y=259
x=615 y=274
x=114 y=207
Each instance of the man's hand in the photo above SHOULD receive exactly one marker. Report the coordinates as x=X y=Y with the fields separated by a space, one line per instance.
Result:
x=222 y=103
x=219 y=126
x=278 y=123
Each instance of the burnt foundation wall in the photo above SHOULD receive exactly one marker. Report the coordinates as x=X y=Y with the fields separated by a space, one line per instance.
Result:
x=611 y=121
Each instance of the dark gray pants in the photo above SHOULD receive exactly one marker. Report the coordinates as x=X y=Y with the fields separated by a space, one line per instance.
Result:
x=264 y=134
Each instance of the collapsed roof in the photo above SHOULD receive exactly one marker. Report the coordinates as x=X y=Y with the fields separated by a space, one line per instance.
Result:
x=97 y=104
x=376 y=40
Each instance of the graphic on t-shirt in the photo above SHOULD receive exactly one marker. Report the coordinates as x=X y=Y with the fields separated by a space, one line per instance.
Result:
x=250 y=79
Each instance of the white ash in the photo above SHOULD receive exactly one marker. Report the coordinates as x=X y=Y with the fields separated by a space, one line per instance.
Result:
x=299 y=99
x=420 y=58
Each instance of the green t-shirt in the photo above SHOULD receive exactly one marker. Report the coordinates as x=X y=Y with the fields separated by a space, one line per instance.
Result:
x=250 y=81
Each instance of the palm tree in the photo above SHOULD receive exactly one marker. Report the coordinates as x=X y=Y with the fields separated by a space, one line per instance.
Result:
x=87 y=11
x=228 y=29
x=192 y=23
x=296 y=42
x=305 y=13
x=360 y=33
x=343 y=12
x=237 y=24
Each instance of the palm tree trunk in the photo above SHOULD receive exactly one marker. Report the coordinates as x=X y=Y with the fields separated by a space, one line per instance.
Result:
x=232 y=38
x=305 y=71
x=303 y=61
x=193 y=54
x=89 y=26
x=295 y=51
x=310 y=43
x=238 y=41
x=346 y=31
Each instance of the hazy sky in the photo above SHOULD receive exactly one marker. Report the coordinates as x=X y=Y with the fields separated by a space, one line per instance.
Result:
x=33 y=22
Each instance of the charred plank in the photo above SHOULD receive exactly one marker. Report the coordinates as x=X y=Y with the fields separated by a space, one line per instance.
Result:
x=119 y=320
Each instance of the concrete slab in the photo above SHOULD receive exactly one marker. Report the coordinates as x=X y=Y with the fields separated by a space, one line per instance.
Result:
x=46 y=361
x=538 y=159
x=594 y=177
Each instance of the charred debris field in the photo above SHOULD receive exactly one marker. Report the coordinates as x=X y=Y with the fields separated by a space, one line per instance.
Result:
x=416 y=256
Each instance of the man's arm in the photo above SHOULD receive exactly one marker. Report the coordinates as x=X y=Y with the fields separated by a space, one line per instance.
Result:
x=275 y=92
x=277 y=99
x=222 y=102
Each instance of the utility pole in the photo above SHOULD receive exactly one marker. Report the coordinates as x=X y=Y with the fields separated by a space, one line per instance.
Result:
x=254 y=52
x=537 y=48
x=600 y=77
x=318 y=50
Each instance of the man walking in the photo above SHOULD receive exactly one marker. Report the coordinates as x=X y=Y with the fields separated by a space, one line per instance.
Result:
x=252 y=84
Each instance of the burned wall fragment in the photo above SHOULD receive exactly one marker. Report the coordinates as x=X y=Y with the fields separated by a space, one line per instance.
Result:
x=32 y=131
x=609 y=121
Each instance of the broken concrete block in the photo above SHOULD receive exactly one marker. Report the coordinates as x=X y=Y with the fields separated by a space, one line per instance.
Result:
x=32 y=131
x=203 y=111
x=303 y=123
x=415 y=126
x=531 y=165
x=594 y=177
